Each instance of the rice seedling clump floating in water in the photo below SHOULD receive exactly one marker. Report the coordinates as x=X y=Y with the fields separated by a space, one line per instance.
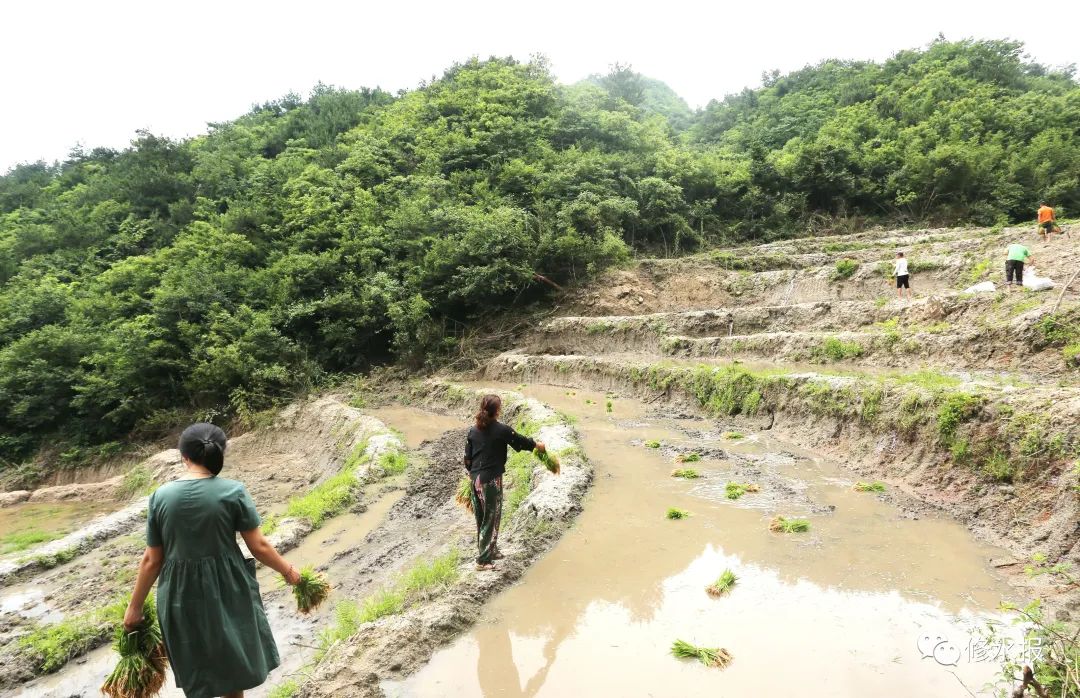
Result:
x=734 y=490
x=723 y=584
x=686 y=473
x=717 y=657
x=781 y=525
x=676 y=514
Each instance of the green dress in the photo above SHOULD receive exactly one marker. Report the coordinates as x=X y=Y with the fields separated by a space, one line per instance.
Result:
x=212 y=617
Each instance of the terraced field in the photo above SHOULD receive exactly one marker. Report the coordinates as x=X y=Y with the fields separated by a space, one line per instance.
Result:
x=930 y=446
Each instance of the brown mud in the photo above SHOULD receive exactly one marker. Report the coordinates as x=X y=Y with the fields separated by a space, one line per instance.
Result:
x=853 y=596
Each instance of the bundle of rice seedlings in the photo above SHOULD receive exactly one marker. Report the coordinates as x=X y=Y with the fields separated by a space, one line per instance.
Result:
x=733 y=435
x=609 y=406
x=722 y=585
x=688 y=457
x=311 y=591
x=463 y=494
x=675 y=514
x=869 y=487
x=781 y=525
x=734 y=490
x=140 y=673
x=709 y=656
x=652 y=444
x=685 y=473
x=549 y=459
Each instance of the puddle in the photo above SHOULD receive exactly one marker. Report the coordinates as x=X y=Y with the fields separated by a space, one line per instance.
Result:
x=419 y=425
x=53 y=519
x=837 y=611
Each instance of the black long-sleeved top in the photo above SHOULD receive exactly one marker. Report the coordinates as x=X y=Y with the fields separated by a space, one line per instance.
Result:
x=485 y=450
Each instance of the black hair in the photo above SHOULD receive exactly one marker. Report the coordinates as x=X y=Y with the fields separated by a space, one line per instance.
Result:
x=899 y=254
x=204 y=444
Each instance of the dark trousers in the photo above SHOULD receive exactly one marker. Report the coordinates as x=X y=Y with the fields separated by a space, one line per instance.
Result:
x=1014 y=267
x=487 y=508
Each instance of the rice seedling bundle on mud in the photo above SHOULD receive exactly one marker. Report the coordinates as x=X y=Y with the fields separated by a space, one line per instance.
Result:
x=463 y=496
x=781 y=525
x=311 y=591
x=869 y=487
x=675 y=514
x=688 y=458
x=685 y=473
x=549 y=460
x=723 y=584
x=140 y=673
x=734 y=490
x=717 y=657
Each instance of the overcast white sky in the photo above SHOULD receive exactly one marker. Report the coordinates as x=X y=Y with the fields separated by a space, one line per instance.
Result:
x=92 y=72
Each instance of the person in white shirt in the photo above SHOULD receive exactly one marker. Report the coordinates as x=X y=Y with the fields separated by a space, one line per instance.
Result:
x=903 y=279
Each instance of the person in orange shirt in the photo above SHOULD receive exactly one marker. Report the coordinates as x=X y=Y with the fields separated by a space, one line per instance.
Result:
x=1046 y=220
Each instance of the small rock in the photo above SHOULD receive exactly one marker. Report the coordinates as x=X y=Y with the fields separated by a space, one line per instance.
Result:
x=1062 y=616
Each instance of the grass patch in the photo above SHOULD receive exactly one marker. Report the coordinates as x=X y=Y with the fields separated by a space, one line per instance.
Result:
x=327 y=499
x=426 y=578
x=976 y=273
x=1071 y=355
x=675 y=514
x=285 y=689
x=393 y=462
x=138 y=481
x=835 y=349
x=845 y=269
x=723 y=584
x=423 y=580
x=779 y=524
x=954 y=411
x=869 y=486
x=60 y=557
x=21 y=540
x=51 y=646
x=716 y=657
x=686 y=473
x=333 y=495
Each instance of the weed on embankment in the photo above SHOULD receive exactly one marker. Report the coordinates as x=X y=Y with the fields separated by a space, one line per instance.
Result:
x=997 y=435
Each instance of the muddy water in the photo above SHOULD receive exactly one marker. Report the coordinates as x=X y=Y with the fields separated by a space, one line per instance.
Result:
x=419 y=425
x=55 y=519
x=838 y=611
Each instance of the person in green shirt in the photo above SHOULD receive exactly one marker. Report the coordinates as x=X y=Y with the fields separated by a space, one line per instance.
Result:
x=1014 y=264
x=216 y=634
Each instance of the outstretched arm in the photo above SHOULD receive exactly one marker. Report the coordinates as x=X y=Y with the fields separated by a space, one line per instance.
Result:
x=149 y=569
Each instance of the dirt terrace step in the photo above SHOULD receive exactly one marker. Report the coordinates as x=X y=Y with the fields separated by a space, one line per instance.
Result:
x=745 y=319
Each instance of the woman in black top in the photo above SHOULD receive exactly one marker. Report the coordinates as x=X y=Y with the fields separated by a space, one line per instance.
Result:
x=485 y=459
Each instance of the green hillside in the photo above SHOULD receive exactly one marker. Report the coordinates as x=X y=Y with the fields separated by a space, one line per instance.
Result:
x=307 y=238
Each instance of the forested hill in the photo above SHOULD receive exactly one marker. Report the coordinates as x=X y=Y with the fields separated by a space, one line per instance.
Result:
x=214 y=275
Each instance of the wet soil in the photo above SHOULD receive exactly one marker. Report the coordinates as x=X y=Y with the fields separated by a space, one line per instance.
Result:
x=844 y=605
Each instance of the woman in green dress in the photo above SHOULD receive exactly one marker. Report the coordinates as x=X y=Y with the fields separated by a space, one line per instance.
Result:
x=216 y=634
